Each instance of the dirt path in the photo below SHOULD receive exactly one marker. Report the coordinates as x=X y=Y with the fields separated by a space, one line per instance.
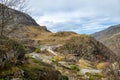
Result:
x=49 y=49
x=63 y=66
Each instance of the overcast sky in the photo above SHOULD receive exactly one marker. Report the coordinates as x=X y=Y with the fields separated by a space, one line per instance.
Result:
x=81 y=16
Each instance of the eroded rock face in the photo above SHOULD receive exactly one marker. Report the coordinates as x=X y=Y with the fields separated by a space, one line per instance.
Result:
x=10 y=52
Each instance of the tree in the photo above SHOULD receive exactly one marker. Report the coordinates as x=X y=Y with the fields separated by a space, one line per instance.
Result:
x=6 y=14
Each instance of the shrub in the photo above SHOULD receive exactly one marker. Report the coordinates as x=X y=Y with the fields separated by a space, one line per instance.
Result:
x=37 y=50
x=37 y=61
x=84 y=63
x=102 y=65
x=8 y=72
x=20 y=49
x=57 y=58
x=74 y=67
x=65 y=78
x=91 y=76
x=30 y=73
x=2 y=79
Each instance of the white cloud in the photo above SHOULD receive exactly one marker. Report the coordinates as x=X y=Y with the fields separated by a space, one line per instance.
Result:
x=82 y=16
x=57 y=18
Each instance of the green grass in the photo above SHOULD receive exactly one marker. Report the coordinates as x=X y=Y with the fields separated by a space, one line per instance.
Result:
x=37 y=50
x=91 y=76
x=9 y=71
x=74 y=67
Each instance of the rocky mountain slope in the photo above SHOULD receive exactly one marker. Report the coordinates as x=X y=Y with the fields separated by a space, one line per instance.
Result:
x=14 y=65
x=21 y=25
x=110 y=37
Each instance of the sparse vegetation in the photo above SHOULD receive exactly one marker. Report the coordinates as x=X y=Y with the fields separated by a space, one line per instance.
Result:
x=63 y=34
x=11 y=53
x=84 y=46
x=112 y=72
x=37 y=50
x=9 y=72
x=102 y=65
x=64 y=78
x=75 y=67
x=84 y=63
x=57 y=58
x=84 y=51
x=90 y=76
x=37 y=70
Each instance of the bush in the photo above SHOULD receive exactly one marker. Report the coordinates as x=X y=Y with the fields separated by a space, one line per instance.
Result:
x=65 y=78
x=57 y=58
x=2 y=79
x=30 y=73
x=91 y=76
x=37 y=61
x=37 y=50
x=20 y=48
x=102 y=65
x=8 y=72
x=74 y=67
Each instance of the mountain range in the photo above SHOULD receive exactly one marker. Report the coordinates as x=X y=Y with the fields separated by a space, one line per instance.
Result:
x=56 y=56
x=110 y=37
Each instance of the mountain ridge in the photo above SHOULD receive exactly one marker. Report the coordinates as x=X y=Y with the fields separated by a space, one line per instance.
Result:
x=107 y=32
x=110 y=37
x=16 y=26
